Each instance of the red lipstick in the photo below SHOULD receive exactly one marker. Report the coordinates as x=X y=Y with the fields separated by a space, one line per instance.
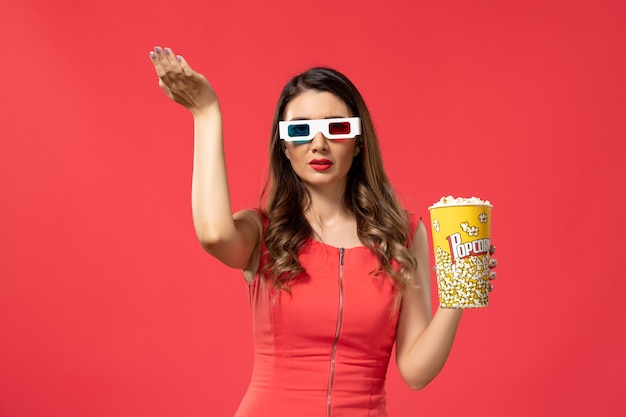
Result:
x=320 y=164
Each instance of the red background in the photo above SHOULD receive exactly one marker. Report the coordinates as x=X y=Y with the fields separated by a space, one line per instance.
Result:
x=108 y=305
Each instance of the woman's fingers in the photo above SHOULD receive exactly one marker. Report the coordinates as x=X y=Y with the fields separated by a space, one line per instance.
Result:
x=155 y=56
x=168 y=67
x=170 y=63
x=185 y=67
x=170 y=70
x=493 y=262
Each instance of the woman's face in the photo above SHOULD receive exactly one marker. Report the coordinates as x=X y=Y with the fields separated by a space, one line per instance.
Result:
x=321 y=161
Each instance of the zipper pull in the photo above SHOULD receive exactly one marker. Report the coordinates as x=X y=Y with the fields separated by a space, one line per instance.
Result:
x=341 y=251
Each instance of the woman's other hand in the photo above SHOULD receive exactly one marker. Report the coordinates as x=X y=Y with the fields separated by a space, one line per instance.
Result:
x=181 y=83
x=492 y=264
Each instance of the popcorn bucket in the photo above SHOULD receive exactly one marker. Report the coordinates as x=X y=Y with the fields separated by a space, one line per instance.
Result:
x=461 y=232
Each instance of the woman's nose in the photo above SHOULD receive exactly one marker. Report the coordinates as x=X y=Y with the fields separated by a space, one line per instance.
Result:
x=319 y=142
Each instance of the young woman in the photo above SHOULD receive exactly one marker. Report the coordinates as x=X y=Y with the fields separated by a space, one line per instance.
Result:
x=337 y=271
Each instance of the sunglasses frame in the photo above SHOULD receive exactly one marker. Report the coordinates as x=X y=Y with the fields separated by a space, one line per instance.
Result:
x=319 y=125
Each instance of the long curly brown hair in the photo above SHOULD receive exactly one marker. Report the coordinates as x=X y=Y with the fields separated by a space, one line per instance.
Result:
x=382 y=224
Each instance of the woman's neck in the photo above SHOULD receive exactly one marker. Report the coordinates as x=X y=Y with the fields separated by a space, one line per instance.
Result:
x=326 y=206
x=331 y=221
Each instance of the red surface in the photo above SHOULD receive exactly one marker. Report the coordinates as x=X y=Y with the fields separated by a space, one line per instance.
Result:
x=109 y=307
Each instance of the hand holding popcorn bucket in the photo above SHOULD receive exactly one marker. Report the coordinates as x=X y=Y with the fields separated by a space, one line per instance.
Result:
x=461 y=232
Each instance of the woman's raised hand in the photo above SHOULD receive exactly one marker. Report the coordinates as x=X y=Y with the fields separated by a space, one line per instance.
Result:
x=181 y=83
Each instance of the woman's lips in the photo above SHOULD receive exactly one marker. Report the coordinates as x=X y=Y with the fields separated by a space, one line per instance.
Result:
x=320 y=164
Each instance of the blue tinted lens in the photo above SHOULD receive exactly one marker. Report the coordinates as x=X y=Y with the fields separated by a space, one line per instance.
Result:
x=298 y=130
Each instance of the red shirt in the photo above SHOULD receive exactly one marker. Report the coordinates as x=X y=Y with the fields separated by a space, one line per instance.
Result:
x=322 y=350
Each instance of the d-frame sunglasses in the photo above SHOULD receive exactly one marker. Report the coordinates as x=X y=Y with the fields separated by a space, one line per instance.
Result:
x=305 y=130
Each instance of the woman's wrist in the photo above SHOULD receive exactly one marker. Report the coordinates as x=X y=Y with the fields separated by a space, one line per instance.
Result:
x=210 y=111
x=449 y=312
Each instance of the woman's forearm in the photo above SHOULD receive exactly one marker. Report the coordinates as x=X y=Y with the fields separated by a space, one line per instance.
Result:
x=430 y=350
x=210 y=197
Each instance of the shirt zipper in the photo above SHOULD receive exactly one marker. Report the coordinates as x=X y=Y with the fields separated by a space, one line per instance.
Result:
x=339 y=319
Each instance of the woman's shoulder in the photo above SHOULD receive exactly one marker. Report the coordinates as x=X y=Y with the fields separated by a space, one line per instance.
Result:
x=413 y=220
